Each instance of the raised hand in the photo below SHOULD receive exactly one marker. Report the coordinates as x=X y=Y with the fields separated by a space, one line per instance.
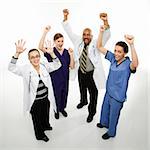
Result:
x=103 y=16
x=20 y=46
x=129 y=39
x=47 y=28
x=66 y=13
x=70 y=51
x=48 y=48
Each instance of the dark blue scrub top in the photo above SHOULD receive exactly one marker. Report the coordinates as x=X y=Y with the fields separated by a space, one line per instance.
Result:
x=60 y=76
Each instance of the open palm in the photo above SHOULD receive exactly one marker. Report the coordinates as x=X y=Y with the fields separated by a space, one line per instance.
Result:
x=20 y=46
x=48 y=47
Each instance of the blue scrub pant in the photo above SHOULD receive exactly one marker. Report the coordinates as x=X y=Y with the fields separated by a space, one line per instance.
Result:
x=110 y=113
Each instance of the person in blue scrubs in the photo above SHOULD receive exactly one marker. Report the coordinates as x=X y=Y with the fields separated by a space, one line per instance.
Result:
x=60 y=78
x=120 y=70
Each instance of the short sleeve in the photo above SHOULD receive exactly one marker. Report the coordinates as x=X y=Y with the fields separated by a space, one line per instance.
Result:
x=110 y=56
x=129 y=63
x=132 y=71
x=49 y=58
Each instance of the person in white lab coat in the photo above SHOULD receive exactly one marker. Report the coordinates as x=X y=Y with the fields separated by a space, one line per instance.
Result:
x=38 y=91
x=88 y=63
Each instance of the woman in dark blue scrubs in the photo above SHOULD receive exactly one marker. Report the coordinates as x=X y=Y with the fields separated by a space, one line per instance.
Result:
x=60 y=78
x=120 y=70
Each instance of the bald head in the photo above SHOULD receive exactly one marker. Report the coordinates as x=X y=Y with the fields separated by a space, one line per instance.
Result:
x=87 y=36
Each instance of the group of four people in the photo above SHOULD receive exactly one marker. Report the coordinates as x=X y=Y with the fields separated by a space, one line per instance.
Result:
x=48 y=81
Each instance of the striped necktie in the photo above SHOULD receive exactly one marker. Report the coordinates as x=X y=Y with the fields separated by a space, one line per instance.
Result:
x=83 y=59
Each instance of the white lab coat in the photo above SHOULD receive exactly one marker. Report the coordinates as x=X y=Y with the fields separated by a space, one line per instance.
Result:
x=93 y=54
x=31 y=80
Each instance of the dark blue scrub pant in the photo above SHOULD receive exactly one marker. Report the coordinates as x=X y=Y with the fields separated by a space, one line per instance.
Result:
x=110 y=113
x=61 y=94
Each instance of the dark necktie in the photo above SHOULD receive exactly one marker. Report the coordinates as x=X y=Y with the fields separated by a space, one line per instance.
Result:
x=83 y=59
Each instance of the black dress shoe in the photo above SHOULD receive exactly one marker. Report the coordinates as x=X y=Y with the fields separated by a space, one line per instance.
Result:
x=45 y=138
x=89 y=118
x=64 y=113
x=106 y=136
x=80 y=105
x=56 y=115
x=99 y=125
x=48 y=128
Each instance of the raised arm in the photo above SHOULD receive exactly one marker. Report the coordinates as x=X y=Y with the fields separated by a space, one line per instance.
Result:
x=99 y=41
x=12 y=65
x=42 y=40
x=134 y=57
x=106 y=34
x=73 y=37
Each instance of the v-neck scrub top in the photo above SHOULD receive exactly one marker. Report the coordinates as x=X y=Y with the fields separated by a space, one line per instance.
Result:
x=118 y=77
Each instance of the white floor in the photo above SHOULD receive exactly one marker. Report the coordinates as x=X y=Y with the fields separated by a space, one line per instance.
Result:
x=73 y=132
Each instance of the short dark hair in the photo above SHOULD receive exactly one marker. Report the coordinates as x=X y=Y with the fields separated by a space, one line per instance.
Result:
x=31 y=50
x=123 y=45
x=57 y=36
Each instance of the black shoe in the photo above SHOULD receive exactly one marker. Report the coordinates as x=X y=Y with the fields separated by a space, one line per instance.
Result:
x=45 y=138
x=99 y=125
x=80 y=105
x=57 y=115
x=48 y=128
x=64 y=113
x=89 y=118
x=105 y=136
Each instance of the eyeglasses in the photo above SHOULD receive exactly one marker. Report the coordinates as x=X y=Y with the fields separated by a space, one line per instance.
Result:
x=33 y=57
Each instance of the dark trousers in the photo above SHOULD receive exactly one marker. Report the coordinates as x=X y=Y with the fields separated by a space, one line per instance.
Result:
x=61 y=94
x=86 y=82
x=40 y=116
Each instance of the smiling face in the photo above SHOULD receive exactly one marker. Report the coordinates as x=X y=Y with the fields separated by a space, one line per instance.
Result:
x=121 y=49
x=119 y=53
x=87 y=36
x=59 y=43
x=34 y=57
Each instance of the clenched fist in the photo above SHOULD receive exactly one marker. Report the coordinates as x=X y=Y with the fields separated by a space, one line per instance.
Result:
x=103 y=16
x=47 y=28
x=129 y=39
x=66 y=13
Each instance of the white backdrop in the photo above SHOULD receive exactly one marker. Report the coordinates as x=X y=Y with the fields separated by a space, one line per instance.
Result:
x=27 y=18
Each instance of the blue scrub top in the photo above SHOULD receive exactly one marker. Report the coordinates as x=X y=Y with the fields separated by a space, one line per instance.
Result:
x=118 y=77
